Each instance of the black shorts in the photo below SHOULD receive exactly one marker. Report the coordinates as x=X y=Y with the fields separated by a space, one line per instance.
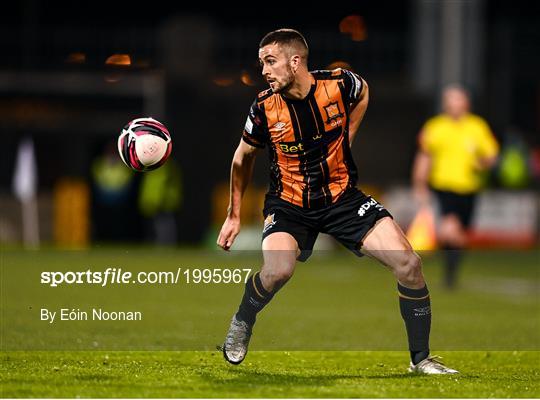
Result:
x=348 y=220
x=461 y=205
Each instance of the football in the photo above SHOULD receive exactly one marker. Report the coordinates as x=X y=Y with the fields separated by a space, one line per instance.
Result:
x=144 y=144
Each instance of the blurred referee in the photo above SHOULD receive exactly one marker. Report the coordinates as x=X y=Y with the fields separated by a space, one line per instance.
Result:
x=456 y=148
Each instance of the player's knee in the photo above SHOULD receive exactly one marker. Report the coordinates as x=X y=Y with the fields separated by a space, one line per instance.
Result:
x=451 y=232
x=456 y=240
x=409 y=271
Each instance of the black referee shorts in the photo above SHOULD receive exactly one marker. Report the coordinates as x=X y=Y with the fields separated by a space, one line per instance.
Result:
x=461 y=205
x=348 y=220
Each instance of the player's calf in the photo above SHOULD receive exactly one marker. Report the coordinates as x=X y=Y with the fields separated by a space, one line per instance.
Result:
x=414 y=304
x=255 y=298
x=275 y=278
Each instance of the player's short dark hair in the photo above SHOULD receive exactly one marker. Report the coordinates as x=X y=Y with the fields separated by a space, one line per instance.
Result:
x=288 y=37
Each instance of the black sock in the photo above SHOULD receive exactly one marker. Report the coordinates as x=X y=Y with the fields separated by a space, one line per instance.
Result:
x=415 y=309
x=254 y=300
x=452 y=258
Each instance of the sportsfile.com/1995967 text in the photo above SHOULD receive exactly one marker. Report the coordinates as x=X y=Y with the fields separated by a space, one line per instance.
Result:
x=119 y=276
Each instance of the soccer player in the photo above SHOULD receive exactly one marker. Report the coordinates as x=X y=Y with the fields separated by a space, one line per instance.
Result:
x=308 y=121
x=455 y=149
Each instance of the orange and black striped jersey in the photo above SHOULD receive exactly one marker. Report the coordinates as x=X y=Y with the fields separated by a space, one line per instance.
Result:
x=311 y=163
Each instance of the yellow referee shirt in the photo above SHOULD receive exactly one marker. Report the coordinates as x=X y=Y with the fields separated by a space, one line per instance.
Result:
x=456 y=148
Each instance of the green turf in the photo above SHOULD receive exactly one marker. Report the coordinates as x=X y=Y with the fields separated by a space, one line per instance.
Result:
x=497 y=306
x=264 y=374
x=336 y=303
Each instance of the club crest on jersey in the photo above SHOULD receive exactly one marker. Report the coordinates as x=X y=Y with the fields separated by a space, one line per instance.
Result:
x=269 y=222
x=332 y=112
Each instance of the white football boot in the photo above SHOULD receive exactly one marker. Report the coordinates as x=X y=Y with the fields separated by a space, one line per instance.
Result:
x=236 y=343
x=431 y=366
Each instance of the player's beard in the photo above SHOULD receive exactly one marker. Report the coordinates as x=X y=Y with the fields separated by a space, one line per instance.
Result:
x=287 y=82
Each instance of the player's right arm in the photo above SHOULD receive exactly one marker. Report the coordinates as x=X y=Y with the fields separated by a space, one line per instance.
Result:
x=241 y=171
x=254 y=137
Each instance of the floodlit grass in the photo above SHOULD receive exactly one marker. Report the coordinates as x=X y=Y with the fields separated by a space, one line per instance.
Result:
x=333 y=331
x=264 y=374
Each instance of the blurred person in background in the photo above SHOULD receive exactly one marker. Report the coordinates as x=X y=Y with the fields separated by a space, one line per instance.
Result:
x=160 y=197
x=456 y=149
x=114 y=187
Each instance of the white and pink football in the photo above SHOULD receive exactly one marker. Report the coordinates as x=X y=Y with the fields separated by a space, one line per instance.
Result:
x=144 y=144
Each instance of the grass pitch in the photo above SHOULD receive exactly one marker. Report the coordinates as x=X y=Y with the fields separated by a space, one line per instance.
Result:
x=334 y=330
x=264 y=374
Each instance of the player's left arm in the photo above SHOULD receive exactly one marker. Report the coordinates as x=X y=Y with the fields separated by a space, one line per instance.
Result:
x=358 y=110
x=488 y=148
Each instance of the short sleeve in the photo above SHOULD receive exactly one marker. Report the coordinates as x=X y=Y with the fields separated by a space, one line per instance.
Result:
x=487 y=146
x=353 y=86
x=426 y=138
x=256 y=130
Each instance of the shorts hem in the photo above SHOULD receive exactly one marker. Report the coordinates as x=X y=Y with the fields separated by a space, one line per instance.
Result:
x=362 y=234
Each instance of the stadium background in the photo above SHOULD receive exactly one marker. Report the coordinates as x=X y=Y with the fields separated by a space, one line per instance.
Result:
x=73 y=75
